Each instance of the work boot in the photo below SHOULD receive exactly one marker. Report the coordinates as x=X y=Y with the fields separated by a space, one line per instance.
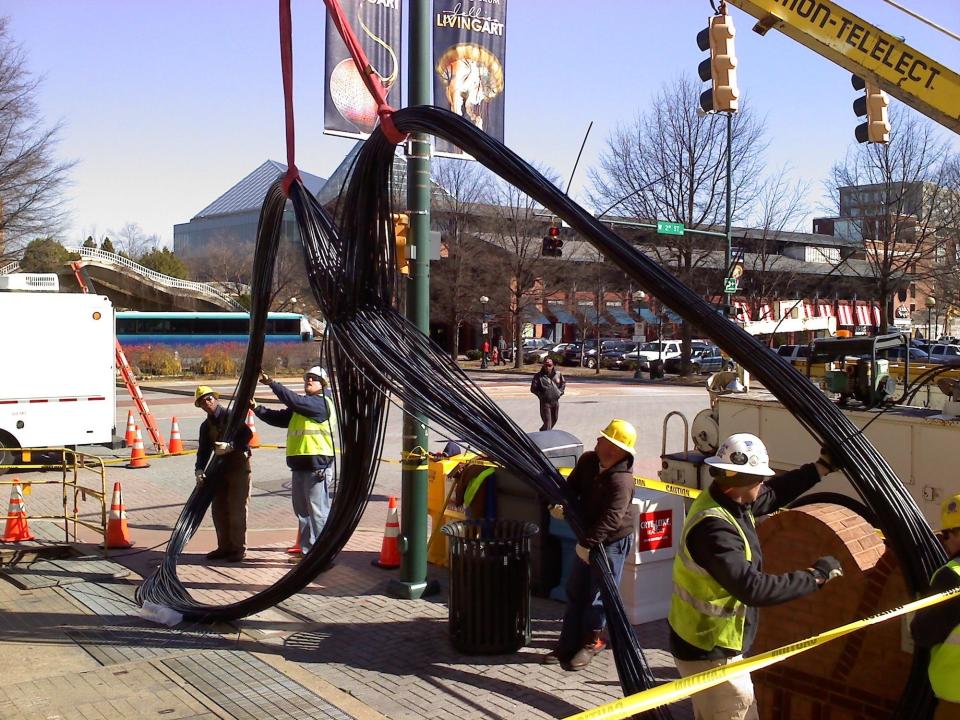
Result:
x=217 y=554
x=553 y=657
x=591 y=646
x=235 y=556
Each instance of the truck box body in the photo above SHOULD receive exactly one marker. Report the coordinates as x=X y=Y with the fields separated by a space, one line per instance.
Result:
x=57 y=371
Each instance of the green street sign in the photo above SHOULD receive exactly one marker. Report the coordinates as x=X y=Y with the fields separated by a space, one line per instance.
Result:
x=669 y=228
x=730 y=286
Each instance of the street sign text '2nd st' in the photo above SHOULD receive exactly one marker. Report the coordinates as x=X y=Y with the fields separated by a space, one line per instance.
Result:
x=669 y=228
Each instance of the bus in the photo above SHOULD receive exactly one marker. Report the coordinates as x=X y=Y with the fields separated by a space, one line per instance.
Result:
x=204 y=328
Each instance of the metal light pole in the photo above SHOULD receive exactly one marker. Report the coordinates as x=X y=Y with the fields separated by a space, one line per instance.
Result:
x=412 y=582
x=483 y=328
x=930 y=303
x=728 y=231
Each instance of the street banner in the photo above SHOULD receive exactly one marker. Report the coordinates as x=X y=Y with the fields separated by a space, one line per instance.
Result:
x=469 y=49
x=348 y=109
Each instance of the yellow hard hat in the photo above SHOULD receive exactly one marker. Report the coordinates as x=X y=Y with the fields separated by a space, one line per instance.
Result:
x=950 y=513
x=202 y=391
x=622 y=434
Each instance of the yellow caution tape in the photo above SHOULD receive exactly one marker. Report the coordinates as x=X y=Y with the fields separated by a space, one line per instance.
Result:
x=685 y=687
x=681 y=490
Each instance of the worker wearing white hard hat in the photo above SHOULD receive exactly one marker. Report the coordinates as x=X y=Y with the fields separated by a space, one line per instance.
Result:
x=718 y=577
x=310 y=420
x=937 y=628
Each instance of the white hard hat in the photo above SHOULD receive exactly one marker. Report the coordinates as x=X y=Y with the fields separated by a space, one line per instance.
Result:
x=319 y=372
x=742 y=453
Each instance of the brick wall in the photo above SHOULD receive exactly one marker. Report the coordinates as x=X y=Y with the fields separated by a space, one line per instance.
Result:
x=860 y=675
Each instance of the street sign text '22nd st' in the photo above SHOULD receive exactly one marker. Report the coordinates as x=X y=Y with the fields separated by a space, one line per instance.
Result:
x=669 y=228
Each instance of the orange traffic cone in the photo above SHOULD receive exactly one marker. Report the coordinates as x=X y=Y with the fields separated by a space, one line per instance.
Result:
x=255 y=439
x=138 y=458
x=176 y=444
x=17 y=528
x=390 y=548
x=118 y=535
x=131 y=434
x=295 y=549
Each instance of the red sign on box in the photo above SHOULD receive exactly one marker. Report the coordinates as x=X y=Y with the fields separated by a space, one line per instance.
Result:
x=655 y=531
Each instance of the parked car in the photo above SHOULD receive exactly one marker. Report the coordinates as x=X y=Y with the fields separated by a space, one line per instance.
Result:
x=656 y=350
x=538 y=355
x=570 y=355
x=945 y=354
x=897 y=354
x=614 y=356
x=793 y=352
x=590 y=350
x=528 y=345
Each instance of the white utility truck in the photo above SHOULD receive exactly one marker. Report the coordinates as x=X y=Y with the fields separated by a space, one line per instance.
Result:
x=57 y=368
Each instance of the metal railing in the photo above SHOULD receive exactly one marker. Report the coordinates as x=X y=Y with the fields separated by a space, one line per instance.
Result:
x=114 y=259
x=10 y=268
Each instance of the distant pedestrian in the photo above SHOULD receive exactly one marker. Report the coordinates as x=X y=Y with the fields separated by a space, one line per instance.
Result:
x=310 y=420
x=502 y=349
x=229 y=506
x=548 y=385
x=495 y=355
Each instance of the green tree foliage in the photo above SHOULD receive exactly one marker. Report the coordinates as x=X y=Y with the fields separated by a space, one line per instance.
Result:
x=90 y=242
x=45 y=255
x=107 y=246
x=165 y=261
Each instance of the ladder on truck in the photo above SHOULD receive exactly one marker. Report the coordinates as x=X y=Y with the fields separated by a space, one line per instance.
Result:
x=129 y=379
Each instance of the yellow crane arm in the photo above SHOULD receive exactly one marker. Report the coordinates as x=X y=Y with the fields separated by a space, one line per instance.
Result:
x=865 y=50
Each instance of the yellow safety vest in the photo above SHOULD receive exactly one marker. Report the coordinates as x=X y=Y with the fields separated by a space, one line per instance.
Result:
x=944 y=668
x=309 y=437
x=702 y=612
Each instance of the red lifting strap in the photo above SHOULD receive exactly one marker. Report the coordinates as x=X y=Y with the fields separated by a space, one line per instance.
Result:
x=286 y=67
x=369 y=75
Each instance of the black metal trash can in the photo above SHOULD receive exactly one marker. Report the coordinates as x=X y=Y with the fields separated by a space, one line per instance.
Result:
x=489 y=585
x=656 y=369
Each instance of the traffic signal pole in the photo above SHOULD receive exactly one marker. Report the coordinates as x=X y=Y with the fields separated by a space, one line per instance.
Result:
x=728 y=230
x=412 y=582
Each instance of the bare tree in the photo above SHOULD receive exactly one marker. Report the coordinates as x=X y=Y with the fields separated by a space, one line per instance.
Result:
x=32 y=180
x=780 y=207
x=518 y=228
x=131 y=241
x=670 y=164
x=895 y=197
x=457 y=276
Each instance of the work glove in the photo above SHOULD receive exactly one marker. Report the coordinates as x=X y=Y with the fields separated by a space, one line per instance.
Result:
x=556 y=511
x=825 y=569
x=253 y=404
x=199 y=476
x=221 y=448
x=826 y=459
x=583 y=553
x=264 y=378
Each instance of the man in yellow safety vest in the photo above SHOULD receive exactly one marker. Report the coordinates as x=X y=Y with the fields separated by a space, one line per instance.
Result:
x=938 y=627
x=718 y=577
x=310 y=420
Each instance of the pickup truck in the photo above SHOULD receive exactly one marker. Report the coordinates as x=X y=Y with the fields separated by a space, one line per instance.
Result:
x=652 y=351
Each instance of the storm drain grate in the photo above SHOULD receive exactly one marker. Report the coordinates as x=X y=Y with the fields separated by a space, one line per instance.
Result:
x=112 y=645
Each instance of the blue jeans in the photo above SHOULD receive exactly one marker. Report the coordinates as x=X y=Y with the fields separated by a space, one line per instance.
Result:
x=584 y=614
x=311 y=503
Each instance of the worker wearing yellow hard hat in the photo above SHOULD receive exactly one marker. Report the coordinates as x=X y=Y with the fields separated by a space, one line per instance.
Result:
x=938 y=628
x=601 y=484
x=718 y=577
x=232 y=492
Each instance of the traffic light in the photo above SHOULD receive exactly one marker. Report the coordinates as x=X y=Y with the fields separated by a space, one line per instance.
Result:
x=721 y=67
x=552 y=244
x=401 y=226
x=873 y=104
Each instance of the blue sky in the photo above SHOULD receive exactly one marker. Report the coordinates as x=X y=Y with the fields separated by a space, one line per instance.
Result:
x=165 y=105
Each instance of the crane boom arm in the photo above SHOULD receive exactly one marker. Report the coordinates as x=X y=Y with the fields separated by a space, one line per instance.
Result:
x=840 y=36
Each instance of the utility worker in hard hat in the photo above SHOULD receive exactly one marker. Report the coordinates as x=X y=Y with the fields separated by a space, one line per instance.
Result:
x=229 y=505
x=602 y=484
x=310 y=420
x=938 y=627
x=718 y=577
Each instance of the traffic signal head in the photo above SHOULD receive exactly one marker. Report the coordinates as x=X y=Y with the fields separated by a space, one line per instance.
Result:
x=721 y=68
x=552 y=244
x=401 y=227
x=873 y=104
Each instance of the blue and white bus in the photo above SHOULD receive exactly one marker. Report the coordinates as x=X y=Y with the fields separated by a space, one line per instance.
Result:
x=204 y=328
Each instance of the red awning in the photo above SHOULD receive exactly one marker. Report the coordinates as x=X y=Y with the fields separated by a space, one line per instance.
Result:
x=808 y=310
x=863 y=314
x=845 y=315
x=876 y=315
x=743 y=310
x=765 y=312
x=826 y=309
